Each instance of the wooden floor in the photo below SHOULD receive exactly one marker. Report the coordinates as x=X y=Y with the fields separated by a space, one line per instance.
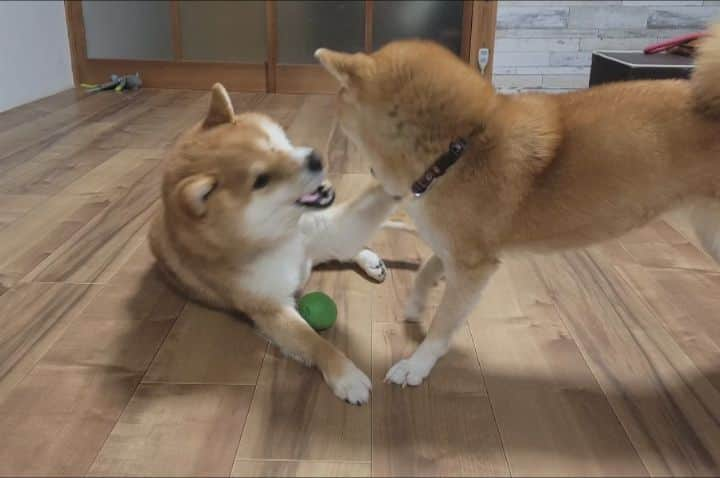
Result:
x=597 y=362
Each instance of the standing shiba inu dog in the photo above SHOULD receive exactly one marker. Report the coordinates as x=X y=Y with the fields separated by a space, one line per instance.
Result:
x=533 y=172
x=234 y=231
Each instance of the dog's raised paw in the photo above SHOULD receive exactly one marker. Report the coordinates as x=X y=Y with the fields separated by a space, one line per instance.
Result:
x=353 y=386
x=377 y=271
x=411 y=371
x=372 y=265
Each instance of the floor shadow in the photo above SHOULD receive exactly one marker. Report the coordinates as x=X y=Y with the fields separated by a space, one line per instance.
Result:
x=673 y=422
x=670 y=420
x=351 y=266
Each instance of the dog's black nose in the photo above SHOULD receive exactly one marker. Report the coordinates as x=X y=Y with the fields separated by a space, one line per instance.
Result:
x=314 y=162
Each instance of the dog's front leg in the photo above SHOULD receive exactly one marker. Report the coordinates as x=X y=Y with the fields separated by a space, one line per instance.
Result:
x=463 y=290
x=341 y=232
x=429 y=274
x=284 y=327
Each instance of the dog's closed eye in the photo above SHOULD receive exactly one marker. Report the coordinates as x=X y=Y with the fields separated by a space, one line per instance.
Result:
x=261 y=181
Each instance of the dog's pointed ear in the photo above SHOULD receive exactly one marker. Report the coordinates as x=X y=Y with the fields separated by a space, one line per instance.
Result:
x=194 y=193
x=221 y=108
x=347 y=68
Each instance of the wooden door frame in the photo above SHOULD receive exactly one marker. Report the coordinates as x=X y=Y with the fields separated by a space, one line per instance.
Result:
x=478 y=31
x=482 y=32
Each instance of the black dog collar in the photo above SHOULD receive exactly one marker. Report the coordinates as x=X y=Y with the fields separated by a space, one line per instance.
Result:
x=439 y=167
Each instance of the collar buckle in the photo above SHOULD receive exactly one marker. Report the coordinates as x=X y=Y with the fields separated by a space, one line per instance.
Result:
x=439 y=167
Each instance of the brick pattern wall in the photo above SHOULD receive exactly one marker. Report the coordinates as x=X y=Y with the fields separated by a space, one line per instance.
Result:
x=547 y=45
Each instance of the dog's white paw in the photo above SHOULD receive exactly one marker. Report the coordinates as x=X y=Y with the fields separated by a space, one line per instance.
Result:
x=372 y=265
x=411 y=371
x=377 y=271
x=353 y=385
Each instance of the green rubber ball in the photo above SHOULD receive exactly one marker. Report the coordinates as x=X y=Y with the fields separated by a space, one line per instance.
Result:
x=318 y=310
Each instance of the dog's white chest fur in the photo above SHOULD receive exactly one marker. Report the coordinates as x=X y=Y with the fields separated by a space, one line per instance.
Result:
x=431 y=235
x=280 y=272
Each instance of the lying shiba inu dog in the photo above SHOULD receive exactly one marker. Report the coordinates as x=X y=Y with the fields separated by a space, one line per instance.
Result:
x=234 y=231
x=532 y=172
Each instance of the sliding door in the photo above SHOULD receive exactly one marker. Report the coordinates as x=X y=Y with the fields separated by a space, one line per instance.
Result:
x=172 y=44
x=305 y=26
x=256 y=45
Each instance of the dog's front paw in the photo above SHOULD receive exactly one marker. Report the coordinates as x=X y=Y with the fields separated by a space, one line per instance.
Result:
x=352 y=385
x=372 y=265
x=411 y=371
x=377 y=271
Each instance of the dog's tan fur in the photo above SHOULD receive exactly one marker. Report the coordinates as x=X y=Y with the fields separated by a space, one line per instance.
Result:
x=541 y=172
x=234 y=247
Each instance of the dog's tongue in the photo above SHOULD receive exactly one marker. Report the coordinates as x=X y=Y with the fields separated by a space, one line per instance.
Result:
x=310 y=198
x=322 y=197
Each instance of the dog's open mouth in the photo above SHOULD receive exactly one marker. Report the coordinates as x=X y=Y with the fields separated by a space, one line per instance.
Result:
x=321 y=198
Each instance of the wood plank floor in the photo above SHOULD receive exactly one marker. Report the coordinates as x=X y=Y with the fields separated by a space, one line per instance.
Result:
x=603 y=361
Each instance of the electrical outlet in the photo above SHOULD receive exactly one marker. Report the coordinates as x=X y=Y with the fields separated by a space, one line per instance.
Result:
x=483 y=59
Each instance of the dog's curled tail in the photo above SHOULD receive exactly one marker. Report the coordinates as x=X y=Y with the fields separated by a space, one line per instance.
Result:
x=706 y=77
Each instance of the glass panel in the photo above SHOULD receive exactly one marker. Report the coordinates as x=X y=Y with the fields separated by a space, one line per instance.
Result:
x=440 y=21
x=136 y=30
x=223 y=31
x=304 y=26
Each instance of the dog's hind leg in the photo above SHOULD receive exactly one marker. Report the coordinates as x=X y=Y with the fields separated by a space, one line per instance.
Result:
x=463 y=290
x=705 y=219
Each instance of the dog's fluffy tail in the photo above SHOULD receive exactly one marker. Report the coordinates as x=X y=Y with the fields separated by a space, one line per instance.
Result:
x=706 y=77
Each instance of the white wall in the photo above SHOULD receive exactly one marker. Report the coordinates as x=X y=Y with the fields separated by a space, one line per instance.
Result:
x=547 y=45
x=34 y=51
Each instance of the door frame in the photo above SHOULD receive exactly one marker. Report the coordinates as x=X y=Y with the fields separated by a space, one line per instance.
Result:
x=478 y=31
